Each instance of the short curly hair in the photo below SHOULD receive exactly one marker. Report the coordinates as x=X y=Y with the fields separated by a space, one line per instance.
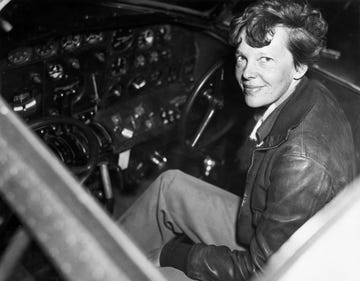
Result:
x=307 y=27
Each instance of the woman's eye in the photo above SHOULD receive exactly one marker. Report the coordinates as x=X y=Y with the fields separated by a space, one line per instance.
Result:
x=240 y=60
x=265 y=59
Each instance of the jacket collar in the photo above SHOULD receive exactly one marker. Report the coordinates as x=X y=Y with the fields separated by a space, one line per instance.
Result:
x=288 y=115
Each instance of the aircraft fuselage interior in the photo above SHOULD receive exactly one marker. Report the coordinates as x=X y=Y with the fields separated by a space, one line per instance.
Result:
x=120 y=95
x=107 y=95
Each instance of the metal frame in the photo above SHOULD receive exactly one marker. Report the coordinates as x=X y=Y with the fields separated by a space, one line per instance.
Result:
x=71 y=228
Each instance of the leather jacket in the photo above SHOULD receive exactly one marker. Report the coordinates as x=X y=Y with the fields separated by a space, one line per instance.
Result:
x=305 y=158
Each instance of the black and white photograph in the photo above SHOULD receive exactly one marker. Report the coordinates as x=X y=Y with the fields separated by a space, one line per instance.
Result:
x=179 y=140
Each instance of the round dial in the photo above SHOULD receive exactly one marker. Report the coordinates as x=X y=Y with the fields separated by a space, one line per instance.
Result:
x=146 y=39
x=20 y=56
x=165 y=32
x=94 y=38
x=25 y=101
x=122 y=39
x=140 y=61
x=55 y=71
x=46 y=50
x=71 y=42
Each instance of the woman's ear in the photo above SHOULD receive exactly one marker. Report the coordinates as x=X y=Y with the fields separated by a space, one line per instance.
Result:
x=300 y=71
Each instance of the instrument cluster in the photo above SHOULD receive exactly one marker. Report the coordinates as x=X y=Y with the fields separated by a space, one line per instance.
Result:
x=75 y=74
x=53 y=47
x=149 y=57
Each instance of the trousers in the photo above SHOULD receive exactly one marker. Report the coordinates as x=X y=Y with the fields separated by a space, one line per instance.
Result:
x=177 y=203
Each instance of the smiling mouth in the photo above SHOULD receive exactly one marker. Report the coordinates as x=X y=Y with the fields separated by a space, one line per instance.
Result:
x=252 y=90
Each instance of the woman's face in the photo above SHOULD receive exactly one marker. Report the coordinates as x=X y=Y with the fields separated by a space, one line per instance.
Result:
x=267 y=75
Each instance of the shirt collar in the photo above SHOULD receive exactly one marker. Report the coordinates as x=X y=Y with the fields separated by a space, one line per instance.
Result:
x=288 y=114
x=268 y=111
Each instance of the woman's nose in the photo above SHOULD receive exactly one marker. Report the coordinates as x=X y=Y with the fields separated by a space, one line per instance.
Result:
x=249 y=71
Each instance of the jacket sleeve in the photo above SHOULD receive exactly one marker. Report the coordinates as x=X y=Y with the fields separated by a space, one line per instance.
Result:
x=298 y=187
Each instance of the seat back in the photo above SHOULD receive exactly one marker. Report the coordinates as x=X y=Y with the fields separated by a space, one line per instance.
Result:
x=348 y=96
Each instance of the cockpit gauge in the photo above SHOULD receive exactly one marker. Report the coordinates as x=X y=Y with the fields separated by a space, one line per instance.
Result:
x=20 y=56
x=94 y=38
x=71 y=42
x=55 y=71
x=119 y=66
x=165 y=32
x=116 y=90
x=153 y=57
x=46 y=50
x=122 y=39
x=25 y=102
x=139 y=61
x=146 y=39
x=165 y=54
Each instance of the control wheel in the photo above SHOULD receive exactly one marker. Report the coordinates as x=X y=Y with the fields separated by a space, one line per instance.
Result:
x=208 y=91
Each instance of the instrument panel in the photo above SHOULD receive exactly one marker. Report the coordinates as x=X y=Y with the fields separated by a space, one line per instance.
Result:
x=78 y=74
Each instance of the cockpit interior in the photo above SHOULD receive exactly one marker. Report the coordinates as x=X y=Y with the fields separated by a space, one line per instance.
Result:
x=120 y=92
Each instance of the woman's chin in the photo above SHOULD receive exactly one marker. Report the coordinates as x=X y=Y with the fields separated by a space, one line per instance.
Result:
x=254 y=102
